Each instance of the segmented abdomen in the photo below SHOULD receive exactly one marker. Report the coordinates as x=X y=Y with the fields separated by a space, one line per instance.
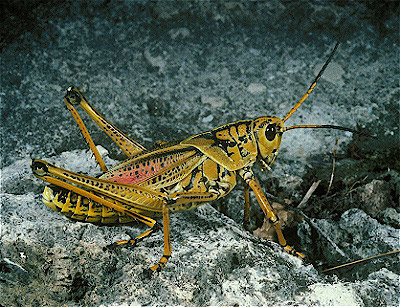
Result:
x=81 y=208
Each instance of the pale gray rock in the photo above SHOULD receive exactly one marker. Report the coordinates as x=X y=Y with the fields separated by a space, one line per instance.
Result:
x=146 y=65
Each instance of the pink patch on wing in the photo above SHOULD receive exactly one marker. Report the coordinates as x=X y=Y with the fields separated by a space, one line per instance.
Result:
x=136 y=175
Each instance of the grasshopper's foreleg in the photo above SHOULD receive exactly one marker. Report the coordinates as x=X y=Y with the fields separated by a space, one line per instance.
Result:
x=249 y=178
x=128 y=146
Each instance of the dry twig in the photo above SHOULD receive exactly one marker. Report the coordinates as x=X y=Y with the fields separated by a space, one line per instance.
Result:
x=333 y=168
x=308 y=195
x=323 y=234
x=316 y=227
x=361 y=260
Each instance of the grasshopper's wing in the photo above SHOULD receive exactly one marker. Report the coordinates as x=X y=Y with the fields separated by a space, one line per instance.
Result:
x=158 y=168
x=233 y=145
x=132 y=197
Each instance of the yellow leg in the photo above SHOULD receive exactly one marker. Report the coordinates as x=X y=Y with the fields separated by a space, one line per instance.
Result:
x=132 y=196
x=117 y=207
x=86 y=135
x=127 y=145
x=249 y=178
x=246 y=217
x=133 y=242
x=177 y=199
x=139 y=217
x=167 y=243
x=43 y=170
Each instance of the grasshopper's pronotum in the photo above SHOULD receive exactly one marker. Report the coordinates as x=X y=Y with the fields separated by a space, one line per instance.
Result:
x=174 y=177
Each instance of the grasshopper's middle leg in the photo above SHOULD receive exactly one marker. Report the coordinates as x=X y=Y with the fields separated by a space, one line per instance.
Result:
x=246 y=216
x=133 y=242
x=167 y=242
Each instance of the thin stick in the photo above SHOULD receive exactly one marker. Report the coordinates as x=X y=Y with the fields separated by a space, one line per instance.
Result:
x=333 y=168
x=352 y=189
x=316 y=227
x=308 y=195
x=323 y=234
x=361 y=260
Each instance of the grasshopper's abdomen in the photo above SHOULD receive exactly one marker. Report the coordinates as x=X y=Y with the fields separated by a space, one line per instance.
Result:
x=80 y=208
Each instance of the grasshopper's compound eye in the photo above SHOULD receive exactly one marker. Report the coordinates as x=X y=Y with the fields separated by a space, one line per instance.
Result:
x=270 y=132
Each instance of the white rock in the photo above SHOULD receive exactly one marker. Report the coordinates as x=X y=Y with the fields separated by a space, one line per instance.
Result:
x=215 y=101
x=182 y=32
x=255 y=52
x=56 y=87
x=155 y=61
x=208 y=118
x=256 y=88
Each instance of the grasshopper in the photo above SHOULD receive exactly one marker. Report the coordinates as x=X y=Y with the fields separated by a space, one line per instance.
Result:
x=173 y=177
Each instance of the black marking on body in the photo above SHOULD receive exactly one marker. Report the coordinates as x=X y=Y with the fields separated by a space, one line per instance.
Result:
x=192 y=177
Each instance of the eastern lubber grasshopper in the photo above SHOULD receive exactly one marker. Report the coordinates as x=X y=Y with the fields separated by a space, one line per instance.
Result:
x=173 y=177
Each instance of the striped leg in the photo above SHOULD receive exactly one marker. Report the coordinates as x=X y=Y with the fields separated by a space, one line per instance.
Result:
x=167 y=243
x=129 y=147
x=144 y=219
x=46 y=171
x=249 y=178
x=133 y=242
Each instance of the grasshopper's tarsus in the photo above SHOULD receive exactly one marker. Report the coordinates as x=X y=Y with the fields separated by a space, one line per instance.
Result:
x=293 y=252
x=169 y=178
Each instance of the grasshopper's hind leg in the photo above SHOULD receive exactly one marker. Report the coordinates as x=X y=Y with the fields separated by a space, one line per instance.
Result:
x=129 y=147
x=134 y=241
x=125 y=199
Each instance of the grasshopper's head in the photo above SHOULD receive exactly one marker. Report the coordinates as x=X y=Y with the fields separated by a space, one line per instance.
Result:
x=268 y=132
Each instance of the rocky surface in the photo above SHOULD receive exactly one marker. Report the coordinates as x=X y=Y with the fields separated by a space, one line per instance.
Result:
x=162 y=71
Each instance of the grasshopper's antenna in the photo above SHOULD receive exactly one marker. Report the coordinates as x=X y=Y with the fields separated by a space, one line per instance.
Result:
x=310 y=89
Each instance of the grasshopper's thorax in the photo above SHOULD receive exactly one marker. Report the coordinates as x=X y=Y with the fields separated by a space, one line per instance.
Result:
x=268 y=132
